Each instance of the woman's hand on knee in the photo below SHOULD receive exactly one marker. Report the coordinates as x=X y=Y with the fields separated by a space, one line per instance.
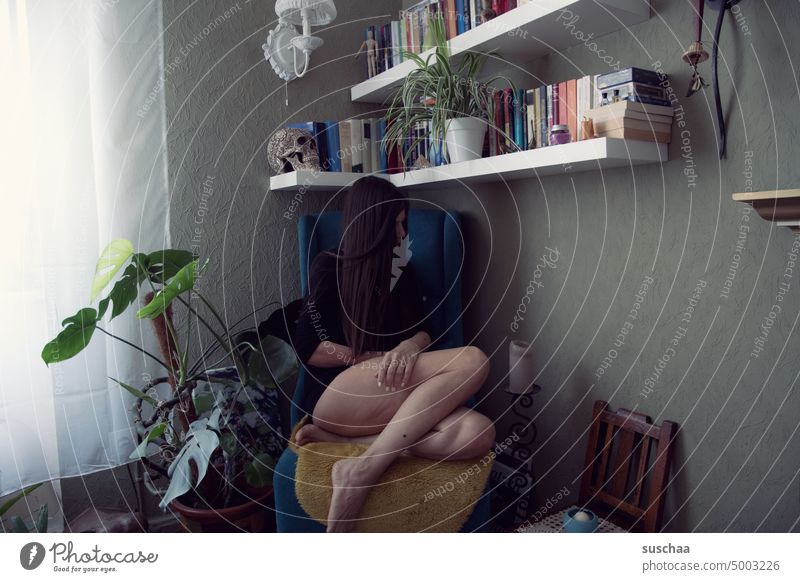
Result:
x=397 y=365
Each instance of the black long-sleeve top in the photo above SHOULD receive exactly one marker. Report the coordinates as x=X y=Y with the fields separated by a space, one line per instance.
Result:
x=320 y=320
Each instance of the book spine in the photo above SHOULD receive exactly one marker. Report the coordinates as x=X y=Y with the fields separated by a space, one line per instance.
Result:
x=531 y=117
x=572 y=108
x=460 y=17
x=629 y=75
x=543 y=112
x=344 y=140
x=519 y=118
x=498 y=122
x=334 y=149
x=507 y=127
x=357 y=145
x=366 y=141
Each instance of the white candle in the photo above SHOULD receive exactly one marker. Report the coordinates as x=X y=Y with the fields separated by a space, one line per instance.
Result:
x=581 y=516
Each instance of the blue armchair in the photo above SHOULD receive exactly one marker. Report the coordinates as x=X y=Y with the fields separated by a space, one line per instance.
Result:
x=437 y=254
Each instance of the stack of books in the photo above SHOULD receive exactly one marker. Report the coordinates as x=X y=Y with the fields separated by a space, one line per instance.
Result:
x=632 y=120
x=411 y=31
x=632 y=84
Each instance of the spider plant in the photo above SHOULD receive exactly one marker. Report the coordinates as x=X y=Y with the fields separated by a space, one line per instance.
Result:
x=439 y=89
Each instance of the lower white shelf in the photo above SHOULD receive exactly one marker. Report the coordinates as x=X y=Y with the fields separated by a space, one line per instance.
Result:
x=594 y=154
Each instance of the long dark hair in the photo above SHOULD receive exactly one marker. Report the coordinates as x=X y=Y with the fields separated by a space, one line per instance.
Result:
x=365 y=253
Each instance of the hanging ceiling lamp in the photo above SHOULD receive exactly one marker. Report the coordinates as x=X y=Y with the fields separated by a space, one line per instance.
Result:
x=284 y=42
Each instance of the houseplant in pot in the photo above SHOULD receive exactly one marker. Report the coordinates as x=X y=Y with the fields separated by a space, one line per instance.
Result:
x=210 y=424
x=444 y=90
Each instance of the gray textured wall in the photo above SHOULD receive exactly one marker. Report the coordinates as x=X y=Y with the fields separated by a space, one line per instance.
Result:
x=737 y=454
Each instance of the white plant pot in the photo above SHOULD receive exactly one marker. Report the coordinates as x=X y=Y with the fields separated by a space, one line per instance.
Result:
x=464 y=138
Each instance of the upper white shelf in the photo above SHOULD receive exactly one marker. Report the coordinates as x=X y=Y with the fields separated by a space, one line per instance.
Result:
x=594 y=154
x=524 y=33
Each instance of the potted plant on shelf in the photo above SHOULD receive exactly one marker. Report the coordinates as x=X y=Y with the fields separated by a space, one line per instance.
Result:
x=445 y=91
x=210 y=424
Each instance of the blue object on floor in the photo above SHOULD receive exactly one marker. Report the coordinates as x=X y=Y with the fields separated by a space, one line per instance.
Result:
x=437 y=253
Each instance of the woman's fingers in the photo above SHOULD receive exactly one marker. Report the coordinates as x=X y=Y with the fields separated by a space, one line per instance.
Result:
x=382 y=369
x=407 y=372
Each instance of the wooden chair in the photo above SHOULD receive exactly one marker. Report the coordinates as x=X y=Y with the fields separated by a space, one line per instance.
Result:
x=627 y=467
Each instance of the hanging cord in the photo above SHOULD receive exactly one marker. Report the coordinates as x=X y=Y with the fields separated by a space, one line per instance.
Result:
x=721 y=140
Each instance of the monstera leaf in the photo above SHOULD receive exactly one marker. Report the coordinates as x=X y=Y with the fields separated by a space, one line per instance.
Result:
x=164 y=265
x=111 y=260
x=75 y=336
x=154 y=433
x=203 y=440
x=182 y=282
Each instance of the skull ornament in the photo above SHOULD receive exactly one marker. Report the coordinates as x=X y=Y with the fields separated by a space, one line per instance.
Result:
x=291 y=149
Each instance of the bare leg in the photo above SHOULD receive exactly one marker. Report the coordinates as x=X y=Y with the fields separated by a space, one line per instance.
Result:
x=431 y=397
x=463 y=434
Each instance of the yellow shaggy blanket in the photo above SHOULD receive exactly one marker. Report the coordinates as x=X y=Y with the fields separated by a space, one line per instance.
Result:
x=413 y=495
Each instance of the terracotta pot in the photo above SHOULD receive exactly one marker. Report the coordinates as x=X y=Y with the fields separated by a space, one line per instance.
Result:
x=256 y=515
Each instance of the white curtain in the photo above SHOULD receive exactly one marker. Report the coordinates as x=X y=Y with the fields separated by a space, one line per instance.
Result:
x=83 y=162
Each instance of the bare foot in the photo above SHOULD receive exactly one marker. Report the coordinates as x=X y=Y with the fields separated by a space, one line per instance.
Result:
x=311 y=433
x=351 y=485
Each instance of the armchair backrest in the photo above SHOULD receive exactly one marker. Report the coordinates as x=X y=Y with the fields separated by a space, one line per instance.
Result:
x=437 y=253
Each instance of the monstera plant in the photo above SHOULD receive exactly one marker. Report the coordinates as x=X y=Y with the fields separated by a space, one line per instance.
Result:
x=216 y=435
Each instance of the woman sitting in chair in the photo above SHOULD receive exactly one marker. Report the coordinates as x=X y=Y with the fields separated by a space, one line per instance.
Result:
x=361 y=336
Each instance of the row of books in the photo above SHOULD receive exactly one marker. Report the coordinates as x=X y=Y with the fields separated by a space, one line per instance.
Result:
x=355 y=145
x=411 y=31
x=523 y=120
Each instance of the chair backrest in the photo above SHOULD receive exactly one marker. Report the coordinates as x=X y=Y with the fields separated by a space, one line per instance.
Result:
x=626 y=467
x=437 y=254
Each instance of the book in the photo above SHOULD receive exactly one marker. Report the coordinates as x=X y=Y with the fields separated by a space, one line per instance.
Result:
x=334 y=150
x=563 y=116
x=572 y=108
x=631 y=74
x=531 y=117
x=623 y=106
x=374 y=148
x=498 y=123
x=603 y=125
x=519 y=119
x=507 y=127
x=637 y=134
x=366 y=143
x=356 y=145
x=346 y=150
x=638 y=89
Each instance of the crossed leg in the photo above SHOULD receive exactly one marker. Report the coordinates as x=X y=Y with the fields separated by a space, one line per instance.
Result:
x=423 y=418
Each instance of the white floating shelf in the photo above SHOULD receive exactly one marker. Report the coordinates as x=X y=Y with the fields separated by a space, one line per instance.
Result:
x=524 y=33
x=594 y=154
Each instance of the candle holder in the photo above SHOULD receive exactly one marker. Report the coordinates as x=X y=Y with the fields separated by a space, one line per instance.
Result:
x=573 y=525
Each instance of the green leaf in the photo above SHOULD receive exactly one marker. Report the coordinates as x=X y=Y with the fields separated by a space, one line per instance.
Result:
x=135 y=392
x=276 y=360
x=41 y=520
x=124 y=292
x=165 y=264
x=201 y=444
x=228 y=443
x=182 y=282
x=10 y=503
x=259 y=472
x=115 y=254
x=75 y=336
x=17 y=525
x=154 y=433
